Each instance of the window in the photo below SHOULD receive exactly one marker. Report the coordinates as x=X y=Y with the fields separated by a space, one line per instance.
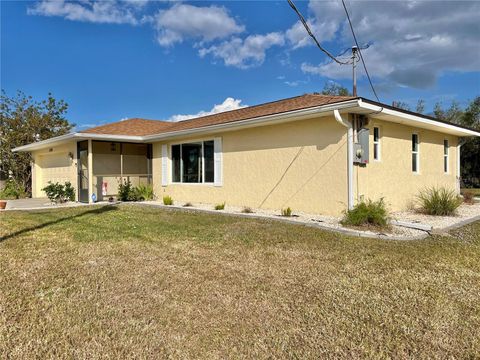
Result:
x=415 y=159
x=445 y=156
x=193 y=162
x=376 y=143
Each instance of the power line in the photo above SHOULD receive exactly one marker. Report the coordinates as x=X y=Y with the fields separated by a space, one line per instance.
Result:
x=359 y=51
x=302 y=19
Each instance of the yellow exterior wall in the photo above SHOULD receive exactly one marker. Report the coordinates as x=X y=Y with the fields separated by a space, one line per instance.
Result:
x=54 y=166
x=392 y=176
x=299 y=164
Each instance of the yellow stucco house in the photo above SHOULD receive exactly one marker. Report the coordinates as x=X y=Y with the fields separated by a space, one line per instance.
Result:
x=313 y=153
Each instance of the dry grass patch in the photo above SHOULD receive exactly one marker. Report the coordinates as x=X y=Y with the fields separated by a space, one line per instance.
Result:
x=131 y=281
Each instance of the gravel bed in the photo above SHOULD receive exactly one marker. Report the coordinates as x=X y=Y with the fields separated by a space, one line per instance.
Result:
x=465 y=212
x=322 y=221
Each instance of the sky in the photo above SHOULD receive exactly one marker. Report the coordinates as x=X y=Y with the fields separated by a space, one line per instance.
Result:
x=111 y=60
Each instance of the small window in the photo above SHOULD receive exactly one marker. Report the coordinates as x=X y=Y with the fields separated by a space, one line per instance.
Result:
x=193 y=162
x=376 y=143
x=445 y=156
x=415 y=158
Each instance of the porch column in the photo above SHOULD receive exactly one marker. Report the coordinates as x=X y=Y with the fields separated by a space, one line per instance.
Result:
x=90 y=170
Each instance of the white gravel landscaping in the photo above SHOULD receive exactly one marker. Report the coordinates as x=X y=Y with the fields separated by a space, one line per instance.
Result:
x=321 y=221
x=464 y=212
x=437 y=223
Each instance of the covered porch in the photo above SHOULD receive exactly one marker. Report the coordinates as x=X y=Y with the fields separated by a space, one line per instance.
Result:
x=103 y=165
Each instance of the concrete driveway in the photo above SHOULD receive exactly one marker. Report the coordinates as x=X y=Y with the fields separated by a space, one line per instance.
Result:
x=37 y=204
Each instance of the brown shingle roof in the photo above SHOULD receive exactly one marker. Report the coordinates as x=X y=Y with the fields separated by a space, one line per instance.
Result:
x=142 y=127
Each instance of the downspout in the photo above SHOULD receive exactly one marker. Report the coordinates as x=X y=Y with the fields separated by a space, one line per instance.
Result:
x=349 y=127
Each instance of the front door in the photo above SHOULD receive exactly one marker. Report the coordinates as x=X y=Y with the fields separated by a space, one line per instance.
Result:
x=82 y=167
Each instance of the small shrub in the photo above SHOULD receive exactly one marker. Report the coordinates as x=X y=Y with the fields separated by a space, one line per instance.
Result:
x=438 y=201
x=366 y=213
x=144 y=192
x=59 y=193
x=247 y=210
x=187 y=204
x=220 y=206
x=69 y=191
x=167 y=200
x=287 y=212
x=126 y=192
x=468 y=197
x=12 y=191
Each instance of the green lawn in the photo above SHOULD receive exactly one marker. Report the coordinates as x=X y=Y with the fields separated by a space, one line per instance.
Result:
x=140 y=282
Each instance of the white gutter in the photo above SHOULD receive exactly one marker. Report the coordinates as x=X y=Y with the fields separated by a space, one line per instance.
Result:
x=349 y=127
x=419 y=120
x=77 y=136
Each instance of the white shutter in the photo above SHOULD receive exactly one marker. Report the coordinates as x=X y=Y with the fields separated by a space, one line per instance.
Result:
x=164 y=165
x=217 y=159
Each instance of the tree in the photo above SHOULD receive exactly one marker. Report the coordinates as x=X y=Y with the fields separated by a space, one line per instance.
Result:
x=333 y=88
x=23 y=121
x=420 y=106
x=401 y=105
x=470 y=153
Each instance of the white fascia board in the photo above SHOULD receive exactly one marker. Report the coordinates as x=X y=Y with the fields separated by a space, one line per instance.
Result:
x=75 y=136
x=258 y=121
x=419 y=121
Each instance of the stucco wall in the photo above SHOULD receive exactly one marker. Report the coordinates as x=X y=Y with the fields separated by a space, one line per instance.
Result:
x=300 y=164
x=392 y=176
x=54 y=166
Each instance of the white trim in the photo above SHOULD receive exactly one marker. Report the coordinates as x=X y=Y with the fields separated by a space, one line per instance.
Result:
x=451 y=128
x=416 y=153
x=218 y=161
x=354 y=106
x=164 y=165
x=446 y=156
x=458 y=153
x=378 y=143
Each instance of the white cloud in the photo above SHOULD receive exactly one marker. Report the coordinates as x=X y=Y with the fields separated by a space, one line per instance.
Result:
x=244 y=53
x=227 y=105
x=108 y=12
x=183 y=21
x=414 y=42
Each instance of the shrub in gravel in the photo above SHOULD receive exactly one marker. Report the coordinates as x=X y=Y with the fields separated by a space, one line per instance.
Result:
x=287 y=212
x=220 y=206
x=468 y=197
x=367 y=212
x=247 y=210
x=167 y=200
x=438 y=201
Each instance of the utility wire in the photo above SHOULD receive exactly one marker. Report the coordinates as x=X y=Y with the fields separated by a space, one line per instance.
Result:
x=359 y=51
x=302 y=19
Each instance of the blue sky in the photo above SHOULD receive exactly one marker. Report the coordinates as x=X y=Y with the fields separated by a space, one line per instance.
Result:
x=165 y=60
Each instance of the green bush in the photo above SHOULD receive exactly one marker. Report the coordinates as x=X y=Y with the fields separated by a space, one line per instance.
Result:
x=367 y=213
x=167 y=200
x=287 y=212
x=220 y=206
x=12 y=191
x=438 y=201
x=59 y=193
x=126 y=191
x=144 y=192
